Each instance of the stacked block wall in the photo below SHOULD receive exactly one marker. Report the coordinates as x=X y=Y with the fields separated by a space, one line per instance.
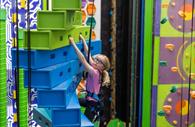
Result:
x=3 y=76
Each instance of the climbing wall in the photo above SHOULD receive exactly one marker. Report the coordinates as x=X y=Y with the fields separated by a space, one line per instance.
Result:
x=56 y=70
x=35 y=5
x=3 y=77
x=173 y=100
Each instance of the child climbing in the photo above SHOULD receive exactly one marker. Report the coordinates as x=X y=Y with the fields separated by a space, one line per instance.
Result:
x=97 y=77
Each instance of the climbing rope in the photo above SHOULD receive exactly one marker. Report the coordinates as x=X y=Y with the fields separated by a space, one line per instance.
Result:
x=17 y=74
x=190 y=71
x=29 y=62
x=90 y=33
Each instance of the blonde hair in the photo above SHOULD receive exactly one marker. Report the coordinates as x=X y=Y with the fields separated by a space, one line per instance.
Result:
x=105 y=74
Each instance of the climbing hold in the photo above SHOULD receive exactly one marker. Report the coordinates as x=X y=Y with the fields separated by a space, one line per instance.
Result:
x=181 y=14
x=110 y=13
x=23 y=3
x=169 y=100
x=167 y=108
x=163 y=63
x=173 y=4
x=164 y=20
x=187 y=55
x=175 y=122
x=179 y=27
x=170 y=47
x=187 y=67
x=174 y=69
x=192 y=75
x=179 y=91
x=186 y=122
x=161 y=113
x=192 y=93
x=168 y=112
x=173 y=89
x=171 y=17
x=15 y=117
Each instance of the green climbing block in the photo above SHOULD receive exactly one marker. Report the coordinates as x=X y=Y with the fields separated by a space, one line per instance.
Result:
x=78 y=18
x=66 y=5
x=60 y=20
x=20 y=34
x=3 y=89
x=55 y=20
x=23 y=99
x=2 y=14
x=84 y=30
x=52 y=39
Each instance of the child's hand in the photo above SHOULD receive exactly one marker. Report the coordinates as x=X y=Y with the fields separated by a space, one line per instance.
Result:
x=71 y=40
x=81 y=37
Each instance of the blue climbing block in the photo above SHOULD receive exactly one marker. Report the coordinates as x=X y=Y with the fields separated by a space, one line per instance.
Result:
x=52 y=76
x=60 y=117
x=42 y=117
x=59 y=97
x=85 y=122
x=45 y=58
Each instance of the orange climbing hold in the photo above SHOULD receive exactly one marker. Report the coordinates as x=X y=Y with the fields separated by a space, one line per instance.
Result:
x=169 y=100
x=83 y=16
x=167 y=108
x=173 y=4
x=93 y=36
x=91 y=9
x=192 y=93
x=174 y=69
x=170 y=47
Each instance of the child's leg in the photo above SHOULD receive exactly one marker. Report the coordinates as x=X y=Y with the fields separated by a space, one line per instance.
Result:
x=83 y=102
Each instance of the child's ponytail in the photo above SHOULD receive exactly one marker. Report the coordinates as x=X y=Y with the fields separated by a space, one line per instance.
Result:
x=106 y=79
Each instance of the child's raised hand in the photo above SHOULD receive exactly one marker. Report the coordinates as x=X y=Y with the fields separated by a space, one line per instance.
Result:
x=71 y=40
x=81 y=37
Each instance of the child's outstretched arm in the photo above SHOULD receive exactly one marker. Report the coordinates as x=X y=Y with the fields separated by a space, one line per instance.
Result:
x=81 y=57
x=85 y=47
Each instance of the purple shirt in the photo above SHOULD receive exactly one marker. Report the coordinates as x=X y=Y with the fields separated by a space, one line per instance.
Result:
x=93 y=82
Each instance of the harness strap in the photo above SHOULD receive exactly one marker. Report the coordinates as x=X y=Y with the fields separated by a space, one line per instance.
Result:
x=93 y=95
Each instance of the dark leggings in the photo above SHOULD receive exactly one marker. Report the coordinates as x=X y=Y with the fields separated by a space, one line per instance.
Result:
x=90 y=105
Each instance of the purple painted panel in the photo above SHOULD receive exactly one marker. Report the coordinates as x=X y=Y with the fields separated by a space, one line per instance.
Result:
x=154 y=106
x=175 y=113
x=157 y=18
x=166 y=76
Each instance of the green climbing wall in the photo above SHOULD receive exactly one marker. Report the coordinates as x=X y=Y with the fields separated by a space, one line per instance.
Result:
x=3 y=94
x=23 y=92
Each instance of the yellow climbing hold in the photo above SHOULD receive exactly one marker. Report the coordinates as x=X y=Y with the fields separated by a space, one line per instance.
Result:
x=192 y=75
x=181 y=14
x=179 y=27
x=15 y=117
x=175 y=122
x=23 y=3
